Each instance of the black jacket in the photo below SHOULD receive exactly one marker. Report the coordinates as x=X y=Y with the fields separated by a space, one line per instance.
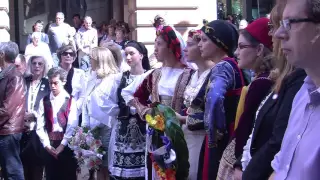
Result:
x=43 y=91
x=270 y=126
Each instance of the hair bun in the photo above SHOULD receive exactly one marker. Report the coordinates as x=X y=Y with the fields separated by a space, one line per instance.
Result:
x=158 y=20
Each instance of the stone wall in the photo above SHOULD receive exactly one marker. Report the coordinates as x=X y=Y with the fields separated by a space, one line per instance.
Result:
x=182 y=14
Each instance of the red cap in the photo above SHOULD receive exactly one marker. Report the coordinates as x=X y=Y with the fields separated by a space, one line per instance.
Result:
x=260 y=31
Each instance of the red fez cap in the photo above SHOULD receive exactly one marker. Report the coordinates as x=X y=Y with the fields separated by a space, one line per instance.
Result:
x=259 y=30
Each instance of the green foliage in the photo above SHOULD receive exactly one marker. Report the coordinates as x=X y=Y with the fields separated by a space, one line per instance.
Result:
x=174 y=132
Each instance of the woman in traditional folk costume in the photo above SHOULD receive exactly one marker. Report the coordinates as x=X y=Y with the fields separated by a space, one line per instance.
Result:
x=165 y=85
x=127 y=156
x=194 y=99
x=127 y=142
x=254 y=52
x=218 y=42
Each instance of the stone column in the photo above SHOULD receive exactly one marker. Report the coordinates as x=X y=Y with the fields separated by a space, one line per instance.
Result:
x=4 y=23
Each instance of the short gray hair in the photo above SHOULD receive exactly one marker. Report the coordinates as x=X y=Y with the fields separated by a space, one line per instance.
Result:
x=10 y=50
x=58 y=71
x=88 y=18
x=60 y=13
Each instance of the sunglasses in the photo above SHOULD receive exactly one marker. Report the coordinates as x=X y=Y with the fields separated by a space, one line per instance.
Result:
x=37 y=63
x=72 y=54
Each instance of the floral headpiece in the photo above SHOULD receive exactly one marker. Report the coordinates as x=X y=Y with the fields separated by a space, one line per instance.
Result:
x=208 y=29
x=169 y=36
x=194 y=34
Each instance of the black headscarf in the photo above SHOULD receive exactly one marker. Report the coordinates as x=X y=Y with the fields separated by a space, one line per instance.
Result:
x=143 y=50
x=223 y=34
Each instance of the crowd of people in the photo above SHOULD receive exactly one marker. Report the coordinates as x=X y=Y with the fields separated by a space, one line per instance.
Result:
x=235 y=126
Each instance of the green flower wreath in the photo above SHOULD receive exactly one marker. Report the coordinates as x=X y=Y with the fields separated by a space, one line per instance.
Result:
x=165 y=134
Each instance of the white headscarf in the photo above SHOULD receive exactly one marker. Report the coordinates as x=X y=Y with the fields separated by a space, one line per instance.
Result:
x=183 y=45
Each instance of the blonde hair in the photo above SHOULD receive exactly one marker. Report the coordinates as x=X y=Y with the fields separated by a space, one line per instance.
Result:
x=45 y=65
x=115 y=50
x=282 y=67
x=105 y=62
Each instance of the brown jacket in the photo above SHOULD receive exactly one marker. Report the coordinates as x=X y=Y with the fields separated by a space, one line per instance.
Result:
x=12 y=101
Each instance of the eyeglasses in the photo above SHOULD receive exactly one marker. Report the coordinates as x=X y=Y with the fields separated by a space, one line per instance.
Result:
x=37 y=63
x=286 y=23
x=72 y=54
x=242 y=46
x=270 y=27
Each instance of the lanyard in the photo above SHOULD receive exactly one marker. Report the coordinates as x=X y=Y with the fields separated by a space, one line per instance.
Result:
x=33 y=95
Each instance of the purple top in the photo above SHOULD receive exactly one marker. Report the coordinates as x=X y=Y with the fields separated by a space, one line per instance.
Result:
x=300 y=150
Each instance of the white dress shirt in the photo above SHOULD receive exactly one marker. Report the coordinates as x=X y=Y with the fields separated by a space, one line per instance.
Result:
x=57 y=102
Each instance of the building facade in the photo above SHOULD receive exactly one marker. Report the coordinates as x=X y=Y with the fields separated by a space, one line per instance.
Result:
x=18 y=16
x=182 y=14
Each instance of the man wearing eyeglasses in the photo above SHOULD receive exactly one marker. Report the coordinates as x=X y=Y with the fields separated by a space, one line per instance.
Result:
x=300 y=42
x=56 y=122
x=59 y=33
x=12 y=111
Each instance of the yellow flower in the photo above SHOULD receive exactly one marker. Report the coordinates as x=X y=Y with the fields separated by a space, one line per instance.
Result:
x=152 y=122
x=157 y=122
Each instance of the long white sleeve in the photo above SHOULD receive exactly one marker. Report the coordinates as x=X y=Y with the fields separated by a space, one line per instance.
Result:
x=104 y=101
x=127 y=93
x=92 y=82
x=42 y=133
x=72 y=123
x=85 y=117
x=79 y=84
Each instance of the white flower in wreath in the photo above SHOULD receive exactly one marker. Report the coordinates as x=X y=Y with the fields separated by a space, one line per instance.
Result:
x=42 y=87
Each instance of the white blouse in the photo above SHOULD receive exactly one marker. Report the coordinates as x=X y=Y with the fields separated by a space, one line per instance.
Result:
x=104 y=99
x=93 y=82
x=79 y=84
x=127 y=92
x=246 y=156
x=194 y=86
x=102 y=103
x=166 y=85
x=168 y=81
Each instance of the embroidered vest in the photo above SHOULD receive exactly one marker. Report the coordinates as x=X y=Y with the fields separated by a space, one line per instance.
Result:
x=62 y=114
x=232 y=96
x=195 y=120
x=124 y=112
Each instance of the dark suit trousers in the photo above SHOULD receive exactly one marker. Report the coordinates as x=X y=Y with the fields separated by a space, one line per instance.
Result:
x=63 y=168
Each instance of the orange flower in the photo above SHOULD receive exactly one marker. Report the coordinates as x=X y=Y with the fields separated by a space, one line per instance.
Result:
x=160 y=122
x=168 y=174
x=157 y=122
